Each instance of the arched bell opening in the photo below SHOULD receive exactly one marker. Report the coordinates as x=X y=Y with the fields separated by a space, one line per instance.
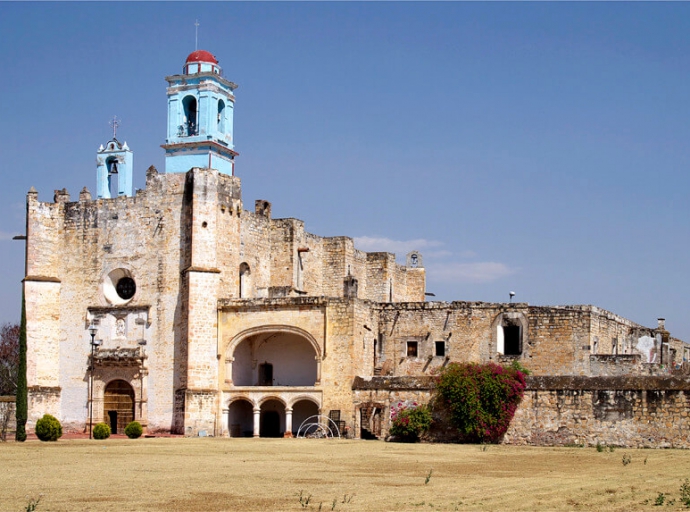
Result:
x=221 y=116
x=190 y=116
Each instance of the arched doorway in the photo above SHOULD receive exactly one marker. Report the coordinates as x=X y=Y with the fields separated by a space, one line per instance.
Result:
x=370 y=420
x=118 y=405
x=241 y=419
x=272 y=422
x=302 y=410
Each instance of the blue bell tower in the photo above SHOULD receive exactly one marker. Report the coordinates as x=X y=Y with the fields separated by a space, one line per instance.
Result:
x=114 y=168
x=200 y=114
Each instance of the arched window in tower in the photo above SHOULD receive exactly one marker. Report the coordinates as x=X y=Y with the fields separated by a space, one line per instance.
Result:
x=190 y=116
x=245 y=277
x=221 y=116
x=112 y=166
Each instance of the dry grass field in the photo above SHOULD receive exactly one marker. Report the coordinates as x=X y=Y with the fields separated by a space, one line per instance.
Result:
x=269 y=474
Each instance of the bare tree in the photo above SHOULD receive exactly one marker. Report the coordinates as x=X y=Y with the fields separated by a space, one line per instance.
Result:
x=9 y=358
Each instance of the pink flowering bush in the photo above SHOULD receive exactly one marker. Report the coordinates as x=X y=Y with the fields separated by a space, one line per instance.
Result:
x=480 y=399
x=409 y=422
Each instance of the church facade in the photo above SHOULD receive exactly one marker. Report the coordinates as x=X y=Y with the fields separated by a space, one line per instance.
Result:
x=176 y=307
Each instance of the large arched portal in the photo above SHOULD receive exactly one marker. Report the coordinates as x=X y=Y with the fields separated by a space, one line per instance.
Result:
x=118 y=405
x=277 y=358
x=241 y=419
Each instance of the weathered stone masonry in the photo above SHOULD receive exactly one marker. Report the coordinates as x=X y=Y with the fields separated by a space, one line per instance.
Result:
x=212 y=318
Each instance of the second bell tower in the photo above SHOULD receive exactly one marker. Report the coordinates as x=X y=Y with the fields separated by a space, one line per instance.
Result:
x=200 y=116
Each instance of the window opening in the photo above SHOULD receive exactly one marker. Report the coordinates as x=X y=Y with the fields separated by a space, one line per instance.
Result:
x=265 y=374
x=411 y=349
x=190 y=125
x=245 y=272
x=221 y=116
x=511 y=337
x=126 y=288
x=440 y=348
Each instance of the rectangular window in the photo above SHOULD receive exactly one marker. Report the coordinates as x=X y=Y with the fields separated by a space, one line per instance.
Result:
x=440 y=348
x=411 y=349
x=511 y=340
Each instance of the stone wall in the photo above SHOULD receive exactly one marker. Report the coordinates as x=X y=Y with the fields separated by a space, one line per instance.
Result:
x=639 y=412
x=649 y=412
x=7 y=411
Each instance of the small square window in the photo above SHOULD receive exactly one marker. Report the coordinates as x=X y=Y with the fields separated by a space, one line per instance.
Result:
x=411 y=349
x=440 y=348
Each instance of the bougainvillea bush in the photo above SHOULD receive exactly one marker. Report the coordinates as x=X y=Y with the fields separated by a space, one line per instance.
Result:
x=409 y=421
x=480 y=399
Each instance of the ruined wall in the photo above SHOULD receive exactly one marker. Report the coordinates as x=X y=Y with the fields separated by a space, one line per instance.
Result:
x=638 y=412
x=287 y=261
x=464 y=331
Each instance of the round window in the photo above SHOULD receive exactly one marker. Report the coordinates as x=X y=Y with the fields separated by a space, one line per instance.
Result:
x=119 y=286
x=126 y=288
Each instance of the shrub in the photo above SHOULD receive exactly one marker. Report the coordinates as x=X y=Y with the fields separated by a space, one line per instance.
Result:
x=48 y=428
x=101 y=431
x=409 y=423
x=134 y=430
x=481 y=399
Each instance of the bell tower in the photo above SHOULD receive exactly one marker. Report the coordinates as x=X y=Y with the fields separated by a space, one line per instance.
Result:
x=114 y=170
x=200 y=115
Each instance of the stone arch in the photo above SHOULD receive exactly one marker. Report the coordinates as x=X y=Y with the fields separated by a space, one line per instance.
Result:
x=240 y=421
x=309 y=373
x=272 y=417
x=508 y=334
x=301 y=409
x=233 y=399
x=267 y=398
x=300 y=398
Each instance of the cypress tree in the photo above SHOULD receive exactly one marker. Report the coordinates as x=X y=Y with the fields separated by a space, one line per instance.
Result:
x=22 y=401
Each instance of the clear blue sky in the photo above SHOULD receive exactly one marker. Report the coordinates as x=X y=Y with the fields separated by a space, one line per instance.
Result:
x=535 y=147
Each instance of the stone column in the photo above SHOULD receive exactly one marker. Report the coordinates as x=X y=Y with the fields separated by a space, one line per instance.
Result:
x=288 y=422
x=225 y=427
x=257 y=421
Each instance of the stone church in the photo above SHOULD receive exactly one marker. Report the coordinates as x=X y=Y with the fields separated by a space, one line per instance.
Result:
x=176 y=307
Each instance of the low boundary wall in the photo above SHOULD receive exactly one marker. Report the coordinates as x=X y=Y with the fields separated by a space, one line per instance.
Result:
x=626 y=411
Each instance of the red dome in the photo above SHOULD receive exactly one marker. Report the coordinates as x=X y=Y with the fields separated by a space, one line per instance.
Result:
x=201 y=56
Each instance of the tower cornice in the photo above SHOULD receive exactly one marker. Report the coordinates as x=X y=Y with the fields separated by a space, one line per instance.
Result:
x=185 y=78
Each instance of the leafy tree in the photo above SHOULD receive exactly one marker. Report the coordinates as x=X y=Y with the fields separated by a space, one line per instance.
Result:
x=480 y=399
x=9 y=358
x=22 y=397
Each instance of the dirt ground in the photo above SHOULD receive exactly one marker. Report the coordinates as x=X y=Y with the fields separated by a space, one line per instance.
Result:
x=343 y=475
